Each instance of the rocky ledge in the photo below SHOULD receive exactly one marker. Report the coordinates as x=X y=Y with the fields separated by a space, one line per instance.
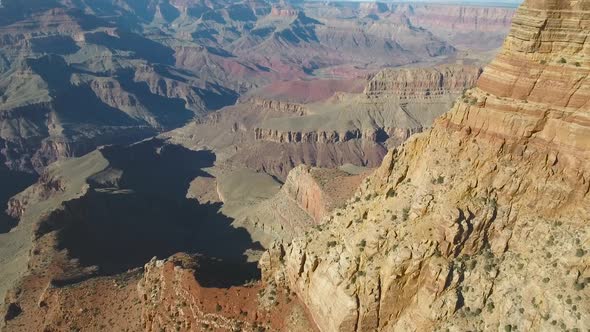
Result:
x=480 y=223
x=422 y=83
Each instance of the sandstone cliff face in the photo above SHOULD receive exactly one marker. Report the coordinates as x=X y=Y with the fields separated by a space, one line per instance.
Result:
x=480 y=223
x=459 y=17
x=311 y=137
x=308 y=194
x=477 y=26
x=422 y=83
x=279 y=106
x=381 y=112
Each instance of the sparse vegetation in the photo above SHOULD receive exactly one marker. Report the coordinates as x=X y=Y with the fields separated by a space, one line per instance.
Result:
x=391 y=193
x=490 y=306
x=405 y=213
x=562 y=60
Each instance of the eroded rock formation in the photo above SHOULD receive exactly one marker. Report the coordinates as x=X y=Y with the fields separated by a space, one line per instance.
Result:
x=422 y=83
x=480 y=223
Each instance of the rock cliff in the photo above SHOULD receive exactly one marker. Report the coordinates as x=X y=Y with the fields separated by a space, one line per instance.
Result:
x=279 y=106
x=483 y=27
x=422 y=83
x=480 y=223
x=395 y=104
x=308 y=194
x=172 y=297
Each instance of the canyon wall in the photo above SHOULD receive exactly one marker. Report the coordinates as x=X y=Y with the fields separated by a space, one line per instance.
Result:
x=422 y=83
x=478 y=26
x=308 y=194
x=279 y=106
x=457 y=18
x=480 y=223
x=381 y=113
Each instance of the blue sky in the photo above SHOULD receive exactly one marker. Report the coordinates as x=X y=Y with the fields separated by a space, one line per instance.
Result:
x=482 y=2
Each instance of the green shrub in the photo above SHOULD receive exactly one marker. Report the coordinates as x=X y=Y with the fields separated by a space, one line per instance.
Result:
x=405 y=213
x=562 y=60
x=391 y=193
x=490 y=306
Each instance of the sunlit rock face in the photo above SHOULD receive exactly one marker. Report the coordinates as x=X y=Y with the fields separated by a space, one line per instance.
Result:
x=480 y=223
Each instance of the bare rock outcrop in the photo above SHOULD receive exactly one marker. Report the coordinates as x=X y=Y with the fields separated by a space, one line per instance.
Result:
x=306 y=197
x=279 y=106
x=422 y=83
x=172 y=296
x=480 y=223
x=318 y=191
x=477 y=26
x=376 y=117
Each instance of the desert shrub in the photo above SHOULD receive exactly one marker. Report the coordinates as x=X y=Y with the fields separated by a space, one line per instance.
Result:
x=490 y=306
x=391 y=193
x=405 y=213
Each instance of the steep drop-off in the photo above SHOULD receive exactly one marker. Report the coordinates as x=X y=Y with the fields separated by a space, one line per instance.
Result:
x=480 y=223
x=307 y=195
x=273 y=136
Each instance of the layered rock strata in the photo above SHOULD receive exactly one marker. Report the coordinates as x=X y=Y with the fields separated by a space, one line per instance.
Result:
x=308 y=194
x=422 y=83
x=381 y=113
x=480 y=223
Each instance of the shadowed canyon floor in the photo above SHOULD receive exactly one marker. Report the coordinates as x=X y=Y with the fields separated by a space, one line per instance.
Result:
x=145 y=213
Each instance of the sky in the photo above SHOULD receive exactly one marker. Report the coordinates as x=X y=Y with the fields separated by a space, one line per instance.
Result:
x=482 y=2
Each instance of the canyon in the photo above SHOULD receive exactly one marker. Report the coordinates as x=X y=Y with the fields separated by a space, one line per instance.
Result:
x=188 y=165
x=77 y=75
x=480 y=223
